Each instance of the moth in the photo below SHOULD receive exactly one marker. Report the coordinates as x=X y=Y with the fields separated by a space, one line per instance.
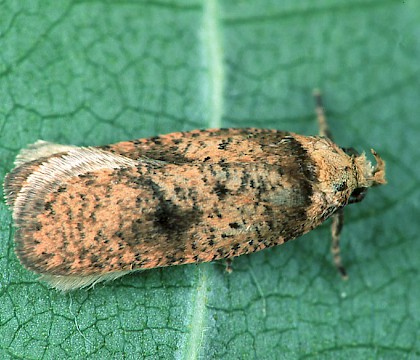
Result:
x=88 y=214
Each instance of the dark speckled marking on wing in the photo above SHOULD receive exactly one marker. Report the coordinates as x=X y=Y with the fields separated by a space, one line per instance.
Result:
x=201 y=145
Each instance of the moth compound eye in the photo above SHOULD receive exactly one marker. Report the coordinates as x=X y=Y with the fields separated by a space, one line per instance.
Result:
x=351 y=151
x=358 y=195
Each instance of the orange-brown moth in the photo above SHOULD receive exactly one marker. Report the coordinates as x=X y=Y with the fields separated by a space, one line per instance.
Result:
x=88 y=214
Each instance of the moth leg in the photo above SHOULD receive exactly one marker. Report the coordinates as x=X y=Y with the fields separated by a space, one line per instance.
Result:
x=338 y=217
x=336 y=227
x=229 y=265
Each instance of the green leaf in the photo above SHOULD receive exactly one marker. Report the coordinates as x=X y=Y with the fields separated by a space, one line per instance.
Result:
x=93 y=72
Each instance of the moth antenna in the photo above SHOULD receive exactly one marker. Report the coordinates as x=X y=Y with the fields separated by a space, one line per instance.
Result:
x=320 y=112
x=336 y=227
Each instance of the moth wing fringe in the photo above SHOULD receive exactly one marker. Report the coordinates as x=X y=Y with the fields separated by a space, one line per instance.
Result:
x=26 y=162
x=73 y=282
x=55 y=171
x=39 y=150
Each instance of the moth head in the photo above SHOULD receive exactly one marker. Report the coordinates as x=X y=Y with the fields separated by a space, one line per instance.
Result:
x=368 y=175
